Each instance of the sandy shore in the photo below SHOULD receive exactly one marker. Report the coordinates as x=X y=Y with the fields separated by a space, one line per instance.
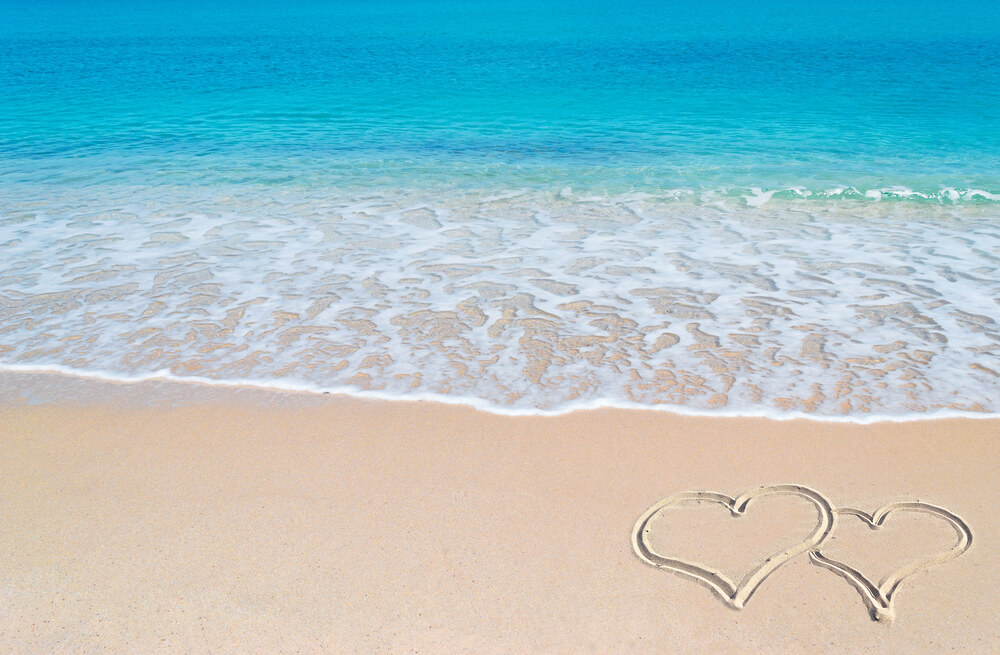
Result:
x=175 y=518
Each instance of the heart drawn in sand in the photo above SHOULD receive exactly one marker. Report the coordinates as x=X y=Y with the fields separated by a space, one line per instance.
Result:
x=879 y=598
x=734 y=594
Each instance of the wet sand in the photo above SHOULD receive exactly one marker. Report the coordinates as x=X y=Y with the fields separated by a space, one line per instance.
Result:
x=162 y=517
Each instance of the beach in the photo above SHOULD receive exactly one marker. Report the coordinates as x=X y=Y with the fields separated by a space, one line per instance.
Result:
x=449 y=326
x=167 y=517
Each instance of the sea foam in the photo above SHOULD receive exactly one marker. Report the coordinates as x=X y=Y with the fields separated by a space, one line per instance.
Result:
x=518 y=301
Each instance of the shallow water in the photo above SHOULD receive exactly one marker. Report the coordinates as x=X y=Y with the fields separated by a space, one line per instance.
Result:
x=766 y=209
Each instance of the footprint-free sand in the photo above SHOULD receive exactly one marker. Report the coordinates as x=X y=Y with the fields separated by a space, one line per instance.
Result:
x=159 y=517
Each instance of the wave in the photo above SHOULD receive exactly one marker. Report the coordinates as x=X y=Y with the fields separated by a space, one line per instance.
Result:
x=526 y=300
x=482 y=405
x=108 y=177
x=757 y=197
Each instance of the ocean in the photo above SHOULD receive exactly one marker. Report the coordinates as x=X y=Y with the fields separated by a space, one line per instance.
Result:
x=774 y=208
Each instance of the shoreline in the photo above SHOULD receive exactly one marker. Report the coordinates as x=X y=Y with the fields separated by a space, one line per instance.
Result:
x=162 y=517
x=763 y=312
x=482 y=405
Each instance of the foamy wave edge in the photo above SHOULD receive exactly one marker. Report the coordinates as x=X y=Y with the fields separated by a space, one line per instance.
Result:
x=757 y=196
x=482 y=405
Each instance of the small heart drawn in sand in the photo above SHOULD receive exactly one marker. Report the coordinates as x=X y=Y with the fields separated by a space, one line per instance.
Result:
x=734 y=594
x=879 y=597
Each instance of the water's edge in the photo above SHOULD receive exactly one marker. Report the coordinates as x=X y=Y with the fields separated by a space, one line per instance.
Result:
x=484 y=406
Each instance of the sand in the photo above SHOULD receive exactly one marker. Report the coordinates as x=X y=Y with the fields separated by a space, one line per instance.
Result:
x=155 y=517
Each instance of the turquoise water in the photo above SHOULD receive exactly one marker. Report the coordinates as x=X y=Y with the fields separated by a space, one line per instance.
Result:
x=727 y=184
x=635 y=95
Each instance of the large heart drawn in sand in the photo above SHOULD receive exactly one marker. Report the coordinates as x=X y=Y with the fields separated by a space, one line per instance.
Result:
x=734 y=594
x=879 y=598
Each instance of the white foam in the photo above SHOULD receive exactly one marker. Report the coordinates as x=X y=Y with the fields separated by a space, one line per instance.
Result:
x=484 y=406
x=518 y=300
x=759 y=196
x=973 y=194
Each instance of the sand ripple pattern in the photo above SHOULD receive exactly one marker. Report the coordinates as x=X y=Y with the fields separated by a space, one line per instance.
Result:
x=525 y=300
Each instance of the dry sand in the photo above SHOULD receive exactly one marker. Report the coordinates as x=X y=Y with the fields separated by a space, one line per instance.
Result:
x=174 y=518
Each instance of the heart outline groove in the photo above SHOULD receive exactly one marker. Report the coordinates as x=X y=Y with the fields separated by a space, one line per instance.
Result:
x=879 y=597
x=733 y=594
